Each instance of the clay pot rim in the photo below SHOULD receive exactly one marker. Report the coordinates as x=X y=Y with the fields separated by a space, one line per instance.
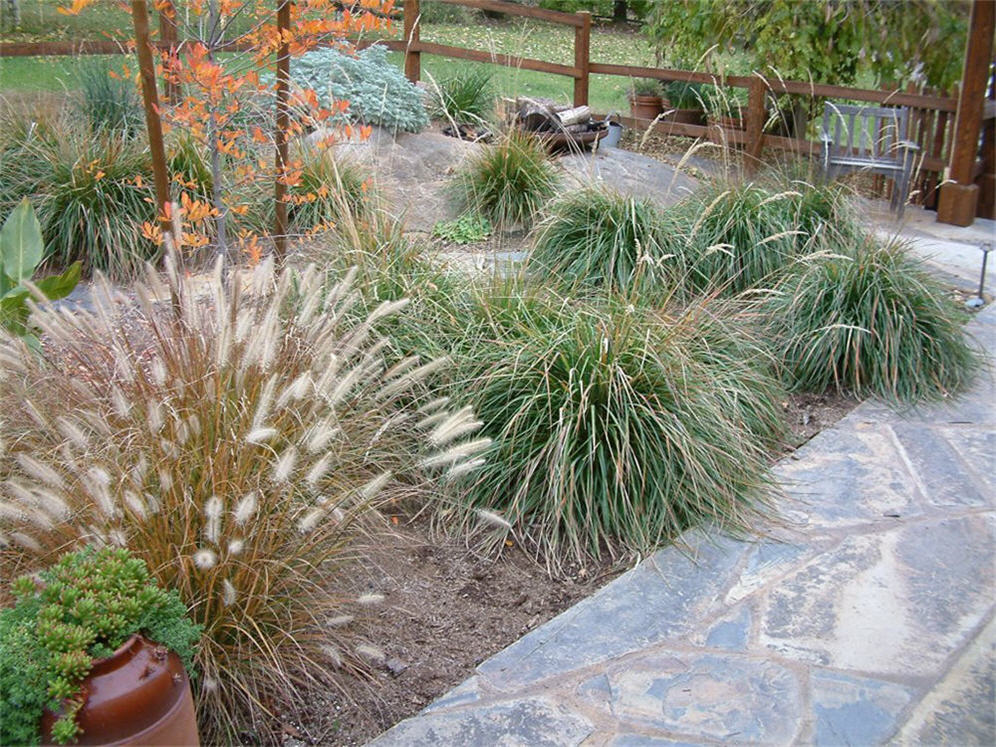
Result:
x=131 y=645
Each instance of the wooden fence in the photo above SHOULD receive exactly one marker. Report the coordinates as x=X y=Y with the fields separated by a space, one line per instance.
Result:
x=931 y=114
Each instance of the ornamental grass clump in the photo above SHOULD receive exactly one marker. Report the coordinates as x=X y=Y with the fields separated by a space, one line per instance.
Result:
x=94 y=198
x=593 y=237
x=742 y=236
x=615 y=428
x=467 y=96
x=326 y=189
x=871 y=321
x=507 y=182
x=239 y=442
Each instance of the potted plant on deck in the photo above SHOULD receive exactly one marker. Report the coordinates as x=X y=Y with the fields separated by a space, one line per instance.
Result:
x=725 y=111
x=93 y=652
x=683 y=103
x=645 y=98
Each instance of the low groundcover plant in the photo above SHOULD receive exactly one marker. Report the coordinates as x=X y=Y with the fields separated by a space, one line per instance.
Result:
x=81 y=609
x=239 y=442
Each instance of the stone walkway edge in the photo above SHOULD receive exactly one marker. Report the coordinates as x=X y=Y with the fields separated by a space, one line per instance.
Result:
x=864 y=616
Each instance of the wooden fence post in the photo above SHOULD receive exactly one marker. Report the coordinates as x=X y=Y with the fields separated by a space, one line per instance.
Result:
x=582 y=49
x=413 y=57
x=756 y=116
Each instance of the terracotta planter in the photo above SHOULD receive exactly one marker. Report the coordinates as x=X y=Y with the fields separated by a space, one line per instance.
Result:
x=684 y=116
x=645 y=107
x=718 y=124
x=139 y=695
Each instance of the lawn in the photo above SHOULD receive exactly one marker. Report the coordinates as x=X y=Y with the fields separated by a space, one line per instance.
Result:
x=515 y=37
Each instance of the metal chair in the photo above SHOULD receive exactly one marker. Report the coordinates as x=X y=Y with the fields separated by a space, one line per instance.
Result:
x=871 y=139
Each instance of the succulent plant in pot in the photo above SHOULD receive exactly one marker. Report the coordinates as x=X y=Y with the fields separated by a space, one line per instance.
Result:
x=94 y=652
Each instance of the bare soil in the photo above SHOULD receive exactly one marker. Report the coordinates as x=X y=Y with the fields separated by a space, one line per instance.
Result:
x=448 y=608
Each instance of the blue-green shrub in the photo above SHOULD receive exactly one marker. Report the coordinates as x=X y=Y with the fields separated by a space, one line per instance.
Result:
x=376 y=90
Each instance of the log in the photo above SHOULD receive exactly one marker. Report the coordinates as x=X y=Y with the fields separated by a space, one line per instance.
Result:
x=577 y=115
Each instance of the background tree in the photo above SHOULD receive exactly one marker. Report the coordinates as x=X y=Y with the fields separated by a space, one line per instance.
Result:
x=833 y=41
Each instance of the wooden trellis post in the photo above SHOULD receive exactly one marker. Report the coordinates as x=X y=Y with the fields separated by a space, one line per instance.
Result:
x=280 y=229
x=150 y=100
x=959 y=196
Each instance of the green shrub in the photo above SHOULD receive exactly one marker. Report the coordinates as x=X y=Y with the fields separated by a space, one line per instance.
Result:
x=645 y=87
x=242 y=450
x=94 y=200
x=598 y=238
x=613 y=428
x=377 y=92
x=108 y=102
x=507 y=182
x=870 y=321
x=82 y=608
x=466 y=96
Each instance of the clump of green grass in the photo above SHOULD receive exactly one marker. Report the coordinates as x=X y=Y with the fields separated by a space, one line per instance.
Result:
x=329 y=187
x=741 y=236
x=597 y=238
x=94 y=199
x=106 y=100
x=873 y=322
x=466 y=96
x=508 y=182
x=614 y=428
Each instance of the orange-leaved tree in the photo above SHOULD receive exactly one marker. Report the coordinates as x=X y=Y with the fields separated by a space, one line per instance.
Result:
x=224 y=100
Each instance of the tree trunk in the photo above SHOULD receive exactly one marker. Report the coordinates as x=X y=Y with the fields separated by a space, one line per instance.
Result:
x=619 y=11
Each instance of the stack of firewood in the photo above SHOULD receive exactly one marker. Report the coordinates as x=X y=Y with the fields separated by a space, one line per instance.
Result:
x=562 y=127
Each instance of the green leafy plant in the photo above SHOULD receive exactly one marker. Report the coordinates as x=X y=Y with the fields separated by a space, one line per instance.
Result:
x=507 y=182
x=241 y=447
x=681 y=95
x=597 y=238
x=467 y=229
x=615 y=428
x=870 y=320
x=21 y=250
x=646 y=87
x=466 y=96
x=82 y=608
x=377 y=92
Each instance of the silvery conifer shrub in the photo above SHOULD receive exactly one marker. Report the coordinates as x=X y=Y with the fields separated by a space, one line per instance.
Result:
x=377 y=91
x=239 y=442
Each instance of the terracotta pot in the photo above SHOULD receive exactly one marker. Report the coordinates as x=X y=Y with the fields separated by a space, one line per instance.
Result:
x=645 y=107
x=718 y=124
x=684 y=116
x=139 y=695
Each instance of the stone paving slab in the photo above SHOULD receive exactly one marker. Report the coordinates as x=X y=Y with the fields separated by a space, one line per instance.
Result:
x=865 y=616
